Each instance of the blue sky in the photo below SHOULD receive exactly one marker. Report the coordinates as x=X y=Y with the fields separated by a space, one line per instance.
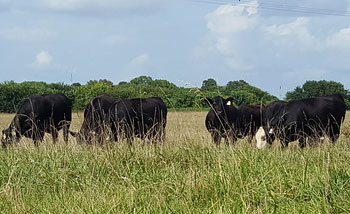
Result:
x=182 y=41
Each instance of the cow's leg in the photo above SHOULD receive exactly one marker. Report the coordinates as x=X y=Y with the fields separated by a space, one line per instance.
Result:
x=100 y=135
x=65 y=132
x=161 y=135
x=18 y=137
x=38 y=132
x=334 y=133
x=230 y=138
x=113 y=134
x=158 y=134
x=129 y=135
x=54 y=134
x=38 y=137
x=250 y=138
x=227 y=141
x=130 y=139
x=154 y=134
x=216 y=137
x=302 y=142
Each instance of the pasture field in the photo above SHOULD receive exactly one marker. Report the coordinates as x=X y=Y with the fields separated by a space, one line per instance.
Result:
x=187 y=174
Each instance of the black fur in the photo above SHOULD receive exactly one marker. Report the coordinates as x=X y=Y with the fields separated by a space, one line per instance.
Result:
x=39 y=114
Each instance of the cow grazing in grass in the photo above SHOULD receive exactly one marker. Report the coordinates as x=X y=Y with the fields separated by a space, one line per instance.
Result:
x=37 y=115
x=95 y=124
x=306 y=119
x=139 y=117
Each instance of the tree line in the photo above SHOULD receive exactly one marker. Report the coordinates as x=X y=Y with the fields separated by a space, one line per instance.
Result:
x=12 y=94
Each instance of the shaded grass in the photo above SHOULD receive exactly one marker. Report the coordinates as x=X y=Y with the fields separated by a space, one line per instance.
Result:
x=186 y=175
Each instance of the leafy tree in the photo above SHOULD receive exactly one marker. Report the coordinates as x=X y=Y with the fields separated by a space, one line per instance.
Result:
x=76 y=84
x=104 y=81
x=12 y=94
x=235 y=85
x=298 y=93
x=244 y=98
x=209 y=85
x=163 y=84
x=141 y=80
x=122 y=83
x=316 y=88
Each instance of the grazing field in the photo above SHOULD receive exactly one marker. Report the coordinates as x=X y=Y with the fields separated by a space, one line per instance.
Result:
x=187 y=174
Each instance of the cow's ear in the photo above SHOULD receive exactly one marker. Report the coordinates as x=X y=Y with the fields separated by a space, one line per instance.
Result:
x=229 y=101
x=208 y=101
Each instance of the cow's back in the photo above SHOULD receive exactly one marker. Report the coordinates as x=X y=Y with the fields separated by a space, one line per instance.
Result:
x=150 y=109
x=44 y=111
x=318 y=111
x=250 y=118
x=139 y=117
x=98 y=106
x=60 y=107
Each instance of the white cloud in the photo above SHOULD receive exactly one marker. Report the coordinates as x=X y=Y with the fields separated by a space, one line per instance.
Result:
x=227 y=26
x=291 y=34
x=229 y=19
x=141 y=59
x=340 y=39
x=246 y=41
x=272 y=48
x=43 y=60
x=25 y=34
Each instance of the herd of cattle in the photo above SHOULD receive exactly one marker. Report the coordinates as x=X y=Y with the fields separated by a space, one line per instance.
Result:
x=107 y=118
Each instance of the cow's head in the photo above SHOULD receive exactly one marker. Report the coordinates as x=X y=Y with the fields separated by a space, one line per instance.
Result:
x=8 y=136
x=263 y=139
x=274 y=116
x=218 y=104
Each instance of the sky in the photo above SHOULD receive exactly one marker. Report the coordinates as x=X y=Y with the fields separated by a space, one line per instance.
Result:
x=275 y=45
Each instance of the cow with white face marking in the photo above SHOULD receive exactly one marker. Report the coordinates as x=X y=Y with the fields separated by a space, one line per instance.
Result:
x=304 y=119
x=221 y=120
x=270 y=114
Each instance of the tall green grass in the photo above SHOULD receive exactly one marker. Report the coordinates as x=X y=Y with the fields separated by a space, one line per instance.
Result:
x=188 y=174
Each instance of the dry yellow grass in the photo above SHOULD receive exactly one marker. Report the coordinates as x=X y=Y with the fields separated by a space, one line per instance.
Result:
x=188 y=174
x=182 y=127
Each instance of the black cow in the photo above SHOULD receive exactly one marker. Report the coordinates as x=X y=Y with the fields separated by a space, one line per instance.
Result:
x=95 y=120
x=37 y=115
x=271 y=111
x=304 y=119
x=249 y=120
x=221 y=120
x=226 y=121
x=139 y=117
